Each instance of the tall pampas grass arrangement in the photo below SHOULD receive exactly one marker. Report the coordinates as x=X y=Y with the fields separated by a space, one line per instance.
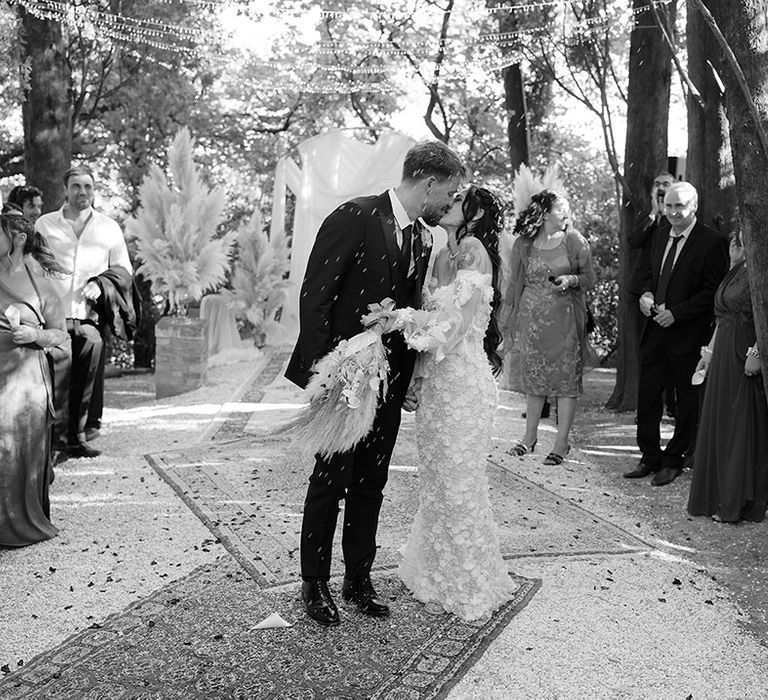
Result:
x=175 y=227
x=259 y=284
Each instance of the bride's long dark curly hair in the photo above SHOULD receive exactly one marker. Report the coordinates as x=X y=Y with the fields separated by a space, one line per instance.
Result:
x=487 y=230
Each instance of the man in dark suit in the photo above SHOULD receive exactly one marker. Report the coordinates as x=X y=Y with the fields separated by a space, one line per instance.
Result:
x=640 y=239
x=686 y=263
x=366 y=250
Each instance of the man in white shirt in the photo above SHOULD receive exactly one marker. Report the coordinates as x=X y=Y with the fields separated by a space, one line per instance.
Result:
x=88 y=243
x=685 y=265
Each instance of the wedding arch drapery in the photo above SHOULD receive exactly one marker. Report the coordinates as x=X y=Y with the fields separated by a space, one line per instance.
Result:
x=335 y=167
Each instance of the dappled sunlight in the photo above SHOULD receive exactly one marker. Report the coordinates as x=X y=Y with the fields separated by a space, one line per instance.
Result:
x=612 y=453
x=263 y=407
x=672 y=545
x=82 y=500
x=402 y=468
x=141 y=413
x=87 y=472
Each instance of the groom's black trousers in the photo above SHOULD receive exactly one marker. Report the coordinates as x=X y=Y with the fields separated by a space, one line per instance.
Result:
x=357 y=476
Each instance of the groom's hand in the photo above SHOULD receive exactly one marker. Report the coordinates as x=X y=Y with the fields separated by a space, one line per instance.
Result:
x=411 y=401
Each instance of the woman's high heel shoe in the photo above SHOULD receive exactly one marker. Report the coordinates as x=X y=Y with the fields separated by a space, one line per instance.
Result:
x=553 y=459
x=520 y=448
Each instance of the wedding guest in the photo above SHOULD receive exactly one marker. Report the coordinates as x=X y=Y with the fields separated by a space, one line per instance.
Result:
x=686 y=264
x=29 y=199
x=639 y=239
x=90 y=243
x=546 y=325
x=31 y=319
x=730 y=481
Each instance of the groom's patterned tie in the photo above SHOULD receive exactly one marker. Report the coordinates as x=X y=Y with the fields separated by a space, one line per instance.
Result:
x=418 y=244
x=405 y=249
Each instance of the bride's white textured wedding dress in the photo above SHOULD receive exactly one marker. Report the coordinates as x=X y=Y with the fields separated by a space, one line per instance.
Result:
x=452 y=557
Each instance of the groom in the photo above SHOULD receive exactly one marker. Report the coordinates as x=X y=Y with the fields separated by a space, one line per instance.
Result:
x=366 y=250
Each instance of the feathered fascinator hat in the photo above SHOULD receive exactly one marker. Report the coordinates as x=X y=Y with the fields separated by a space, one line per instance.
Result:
x=533 y=196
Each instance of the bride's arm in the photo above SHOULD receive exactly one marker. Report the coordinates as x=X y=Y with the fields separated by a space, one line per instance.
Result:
x=441 y=329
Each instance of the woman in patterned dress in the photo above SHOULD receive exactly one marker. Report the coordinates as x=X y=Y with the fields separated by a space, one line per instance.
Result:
x=551 y=269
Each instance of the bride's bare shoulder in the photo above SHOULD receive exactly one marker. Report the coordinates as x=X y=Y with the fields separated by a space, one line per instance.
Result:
x=472 y=253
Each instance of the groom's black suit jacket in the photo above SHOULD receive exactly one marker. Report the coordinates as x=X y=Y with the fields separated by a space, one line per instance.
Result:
x=354 y=263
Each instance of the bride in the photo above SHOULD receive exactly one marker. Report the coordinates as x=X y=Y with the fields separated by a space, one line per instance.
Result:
x=452 y=558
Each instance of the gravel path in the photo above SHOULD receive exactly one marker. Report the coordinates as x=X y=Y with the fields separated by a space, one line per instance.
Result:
x=664 y=622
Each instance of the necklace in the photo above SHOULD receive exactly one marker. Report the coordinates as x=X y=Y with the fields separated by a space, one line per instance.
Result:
x=453 y=256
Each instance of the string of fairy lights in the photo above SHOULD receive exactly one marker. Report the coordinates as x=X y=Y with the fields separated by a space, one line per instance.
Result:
x=335 y=66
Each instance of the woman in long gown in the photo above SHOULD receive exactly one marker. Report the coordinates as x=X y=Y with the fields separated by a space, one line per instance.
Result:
x=730 y=477
x=551 y=269
x=452 y=557
x=31 y=319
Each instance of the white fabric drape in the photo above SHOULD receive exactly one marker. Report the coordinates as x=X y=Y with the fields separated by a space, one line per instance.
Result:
x=335 y=167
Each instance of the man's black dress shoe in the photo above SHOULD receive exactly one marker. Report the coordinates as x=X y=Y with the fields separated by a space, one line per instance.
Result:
x=318 y=602
x=80 y=449
x=361 y=592
x=91 y=434
x=665 y=476
x=642 y=470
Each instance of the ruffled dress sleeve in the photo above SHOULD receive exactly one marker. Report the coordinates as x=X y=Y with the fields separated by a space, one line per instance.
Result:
x=454 y=307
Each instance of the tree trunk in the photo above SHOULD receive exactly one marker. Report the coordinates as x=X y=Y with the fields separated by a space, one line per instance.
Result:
x=645 y=155
x=709 y=166
x=518 y=140
x=517 y=116
x=47 y=107
x=743 y=24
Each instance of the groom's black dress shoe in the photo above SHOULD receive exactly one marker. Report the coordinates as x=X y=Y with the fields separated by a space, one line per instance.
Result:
x=361 y=592
x=318 y=602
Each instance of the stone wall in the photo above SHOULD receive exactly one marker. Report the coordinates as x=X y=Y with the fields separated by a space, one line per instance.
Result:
x=181 y=355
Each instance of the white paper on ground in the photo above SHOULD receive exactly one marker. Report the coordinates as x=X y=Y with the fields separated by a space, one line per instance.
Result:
x=272 y=622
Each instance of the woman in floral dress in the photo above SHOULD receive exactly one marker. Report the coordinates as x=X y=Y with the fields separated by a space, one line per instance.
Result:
x=551 y=269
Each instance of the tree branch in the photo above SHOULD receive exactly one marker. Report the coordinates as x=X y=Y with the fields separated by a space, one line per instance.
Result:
x=673 y=50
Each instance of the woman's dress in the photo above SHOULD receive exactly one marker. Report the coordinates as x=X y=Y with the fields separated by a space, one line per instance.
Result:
x=730 y=475
x=26 y=413
x=453 y=557
x=547 y=357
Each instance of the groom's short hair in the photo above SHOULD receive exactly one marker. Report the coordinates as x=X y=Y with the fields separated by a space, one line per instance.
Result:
x=432 y=158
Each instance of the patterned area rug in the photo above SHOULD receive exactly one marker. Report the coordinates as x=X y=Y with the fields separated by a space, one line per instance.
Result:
x=250 y=494
x=196 y=639
x=234 y=424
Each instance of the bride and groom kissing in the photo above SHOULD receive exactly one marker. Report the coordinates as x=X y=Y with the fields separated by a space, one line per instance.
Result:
x=367 y=250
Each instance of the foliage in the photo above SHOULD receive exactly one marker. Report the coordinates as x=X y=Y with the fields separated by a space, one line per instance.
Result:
x=259 y=280
x=175 y=228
